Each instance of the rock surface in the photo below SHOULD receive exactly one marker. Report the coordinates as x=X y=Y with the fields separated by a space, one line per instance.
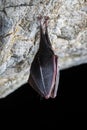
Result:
x=19 y=36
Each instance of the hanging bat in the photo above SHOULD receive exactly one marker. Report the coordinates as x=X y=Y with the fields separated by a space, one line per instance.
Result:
x=44 y=72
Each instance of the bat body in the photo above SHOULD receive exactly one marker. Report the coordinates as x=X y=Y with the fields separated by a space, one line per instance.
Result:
x=44 y=72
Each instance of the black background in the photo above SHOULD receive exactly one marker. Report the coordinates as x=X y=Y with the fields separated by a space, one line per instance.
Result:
x=70 y=100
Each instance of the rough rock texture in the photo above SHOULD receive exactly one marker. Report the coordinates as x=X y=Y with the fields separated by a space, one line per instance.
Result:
x=19 y=36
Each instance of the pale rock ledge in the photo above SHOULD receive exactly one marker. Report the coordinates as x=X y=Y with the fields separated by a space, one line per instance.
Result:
x=19 y=36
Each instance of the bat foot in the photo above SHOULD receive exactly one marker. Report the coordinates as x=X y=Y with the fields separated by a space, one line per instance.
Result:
x=43 y=22
x=46 y=18
x=40 y=18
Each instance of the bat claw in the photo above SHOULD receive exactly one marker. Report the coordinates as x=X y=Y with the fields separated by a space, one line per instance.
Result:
x=46 y=18
x=39 y=17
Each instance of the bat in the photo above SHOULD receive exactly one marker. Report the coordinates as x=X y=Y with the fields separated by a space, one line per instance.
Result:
x=44 y=71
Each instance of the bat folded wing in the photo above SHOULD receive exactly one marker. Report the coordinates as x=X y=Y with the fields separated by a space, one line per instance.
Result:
x=43 y=76
x=44 y=72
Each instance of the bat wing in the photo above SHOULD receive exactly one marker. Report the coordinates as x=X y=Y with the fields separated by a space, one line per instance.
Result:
x=41 y=75
x=34 y=85
x=44 y=68
x=57 y=75
x=57 y=81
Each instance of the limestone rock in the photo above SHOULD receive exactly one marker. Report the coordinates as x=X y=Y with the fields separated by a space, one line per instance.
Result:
x=19 y=36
